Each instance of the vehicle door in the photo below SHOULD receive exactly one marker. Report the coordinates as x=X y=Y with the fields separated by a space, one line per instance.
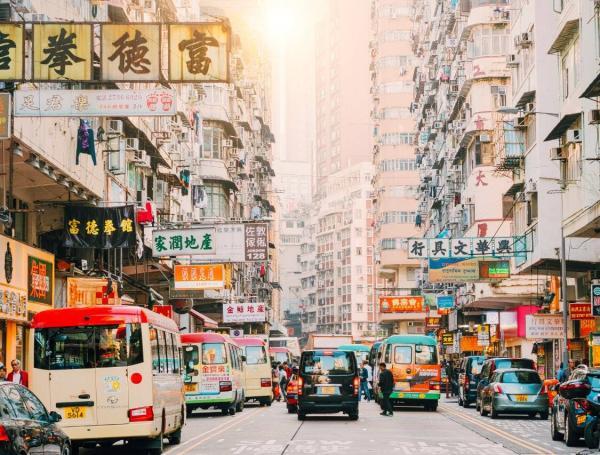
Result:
x=37 y=411
x=483 y=378
x=68 y=354
x=30 y=431
x=329 y=376
x=462 y=373
x=403 y=366
x=426 y=367
x=113 y=350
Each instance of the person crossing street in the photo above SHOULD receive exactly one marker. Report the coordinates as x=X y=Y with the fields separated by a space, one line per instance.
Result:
x=386 y=385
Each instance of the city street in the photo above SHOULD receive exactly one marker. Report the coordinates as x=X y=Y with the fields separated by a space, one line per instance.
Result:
x=451 y=430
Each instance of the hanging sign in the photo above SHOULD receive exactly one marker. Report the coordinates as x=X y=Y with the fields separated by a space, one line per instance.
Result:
x=99 y=227
x=199 y=276
x=244 y=312
x=437 y=248
x=448 y=339
x=580 y=310
x=184 y=242
x=91 y=291
x=257 y=241
x=401 y=304
x=544 y=326
x=595 y=293
x=494 y=270
x=445 y=302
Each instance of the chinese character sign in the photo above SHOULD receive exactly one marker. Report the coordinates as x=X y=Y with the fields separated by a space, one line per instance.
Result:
x=99 y=227
x=443 y=248
x=40 y=280
x=256 y=241
x=184 y=242
x=62 y=52
x=244 y=312
x=595 y=293
x=130 y=52
x=11 y=52
x=401 y=304
x=199 y=276
x=199 y=52
x=5 y=111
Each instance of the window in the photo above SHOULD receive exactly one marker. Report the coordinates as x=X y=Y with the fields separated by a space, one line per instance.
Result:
x=212 y=138
x=397 y=139
x=68 y=348
x=411 y=273
x=488 y=40
x=394 y=11
x=256 y=355
x=336 y=362
x=289 y=224
x=388 y=244
x=396 y=35
x=34 y=405
x=154 y=350
x=215 y=94
x=397 y=165
x=425 y=355
x=521 y=377
x=403 y=355
x=398 y=217
x=213 y=353
x=397 y=87
x=574 y=162
x=191 y=358
x=16 y=402
x=217 y=201
x=570 y=72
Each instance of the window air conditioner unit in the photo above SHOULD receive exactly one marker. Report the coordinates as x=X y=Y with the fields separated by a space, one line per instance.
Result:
x=227 y=143
x=115 y=127
x=520 y=123
x=530 y=107
x=524 y=39
x=512 y=60
x=574 y=136
x=438 y=125
x=556 y=153
x=132 y=143
x=139 y=156
x=485 y=138
x=595 y=113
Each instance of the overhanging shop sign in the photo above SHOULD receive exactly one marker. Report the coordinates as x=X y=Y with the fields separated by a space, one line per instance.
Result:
x=244 y=312
x=464 y=248
x=95 y=103
x=544 y=327
x=184 y=242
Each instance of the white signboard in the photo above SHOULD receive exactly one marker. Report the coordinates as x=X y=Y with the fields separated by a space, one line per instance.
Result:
x=244 y=312
x=424 y=248
x=184 y=242
x=544 y=326
x=95 y=103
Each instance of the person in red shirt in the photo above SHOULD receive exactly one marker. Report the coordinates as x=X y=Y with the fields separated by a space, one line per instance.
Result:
x=17 y=375
x=288 y=369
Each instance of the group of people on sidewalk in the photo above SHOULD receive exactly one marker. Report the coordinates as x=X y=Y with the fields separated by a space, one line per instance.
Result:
x=16 y=376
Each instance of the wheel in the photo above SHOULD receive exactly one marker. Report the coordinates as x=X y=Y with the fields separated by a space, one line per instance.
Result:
x=231 y=411
x=434 y=406
x=175 y=437
x=532 y=415
x=188 y=412
x=74 y=448
x=482 y=411
x=66 y=450
x=268 y=403
x=159 y=445
x=465 y=403
x=591 y=435
x=291 y=409
x=477 y=404
x=556 y=435
x=301 y=416
x=240 y=406
x=570 y=436
x=460 y=401
x=544 y=415
x=353 y=416
x=493 y=412
x=224 y=411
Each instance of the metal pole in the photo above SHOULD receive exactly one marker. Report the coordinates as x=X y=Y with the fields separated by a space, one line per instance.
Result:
x=563 y=293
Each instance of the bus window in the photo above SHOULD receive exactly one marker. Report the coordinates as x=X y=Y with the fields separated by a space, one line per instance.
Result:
x=154 y=348
x=191 y=358
x=403 y=355
x=388 y=354
x=256 y=355
x=425 y=355
x=164 y=352
x=175 y=353
x=213 y=353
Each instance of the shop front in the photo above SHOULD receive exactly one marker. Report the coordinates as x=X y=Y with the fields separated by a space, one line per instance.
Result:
x=26 y=288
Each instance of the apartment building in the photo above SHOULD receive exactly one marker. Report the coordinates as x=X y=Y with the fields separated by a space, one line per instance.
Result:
x=393 y=63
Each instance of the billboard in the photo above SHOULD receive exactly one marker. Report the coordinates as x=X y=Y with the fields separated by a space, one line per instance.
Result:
x=453 y=270
x=199 y=276
x=244 y=312
x=401 y=304
x=468 y=247
x=184 y=242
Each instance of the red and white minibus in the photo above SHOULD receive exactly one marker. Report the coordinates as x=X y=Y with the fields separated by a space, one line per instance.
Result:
x=112 y=373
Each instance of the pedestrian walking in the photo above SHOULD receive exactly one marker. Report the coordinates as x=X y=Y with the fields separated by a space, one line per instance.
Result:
x=369 y=378
x=364 y=383
x=283 y=380
x=17 y=375
x=566 y=372
x=386 y=385
x=450 y=376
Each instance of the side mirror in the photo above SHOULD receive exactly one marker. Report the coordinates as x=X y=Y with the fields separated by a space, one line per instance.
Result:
x=54 y=417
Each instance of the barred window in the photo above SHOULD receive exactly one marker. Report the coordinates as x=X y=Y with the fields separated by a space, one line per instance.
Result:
x=397 y=139
x=397 y=165
x=399 y=217
x=393 y=61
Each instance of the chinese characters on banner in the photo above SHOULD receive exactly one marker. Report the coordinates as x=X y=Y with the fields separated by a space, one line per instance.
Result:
x=244 y=312
x=198 y=52
x=401 y=304
x=432 y=322
x=257 y=241
x=544 y=326
x=183 y=242
x=99 y=227
x=40 y=280
x=580 y=310
x=95 y=103
x=483 y=335
x=448 y=339
x=199 y=276
x=62 y=51
x=11 y=52
x=422 y=248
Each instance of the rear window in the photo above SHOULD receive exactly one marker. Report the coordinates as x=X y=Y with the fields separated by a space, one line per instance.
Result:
x=256 y=355
x=191 y=357
x=213 y=354
x=476 y=365
x=337 y=362
x=594 y=381
x=403 y=355
x=425 y=355
x=521 y=377
x=514 y=363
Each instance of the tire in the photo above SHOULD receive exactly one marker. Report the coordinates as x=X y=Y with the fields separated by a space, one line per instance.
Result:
x=189 y=411
x=482 y=411
x=554 y=433
x=434 y=406
x=460 y=401
x=301 y=416
x=544 y=415
x=160 y=445
x=224 y=411
x=269 y=403
x=477 y=405
x=493 y=412
x=532 y=415
x=466 y=404
x=591 y=434
x=240 y=406
x=291 y=409
x=66 y=450
x=175 y=437
x=353 y=416
x=74 y=448
x=570 y=436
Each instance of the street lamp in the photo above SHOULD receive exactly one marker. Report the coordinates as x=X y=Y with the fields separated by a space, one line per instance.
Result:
x=516 y=110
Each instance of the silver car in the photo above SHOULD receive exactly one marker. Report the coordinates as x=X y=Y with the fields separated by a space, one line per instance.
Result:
x=514 y=391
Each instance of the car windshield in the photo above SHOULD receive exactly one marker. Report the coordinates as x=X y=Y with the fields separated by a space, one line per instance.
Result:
x=71 y=348
x=521 y=377
x=256 y=355
x=514 y=363
x=594 y=381
x=403 y=355
x=337 y=362
x=213 y=353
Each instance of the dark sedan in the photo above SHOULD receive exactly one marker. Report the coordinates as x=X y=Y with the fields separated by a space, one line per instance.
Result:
x=26 y=427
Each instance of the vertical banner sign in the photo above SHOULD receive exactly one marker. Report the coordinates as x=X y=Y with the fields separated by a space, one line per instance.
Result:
x=40 y=280
x=257 y=241
x=62 y=51
x=199 y=52
x=99 y=227
x=5 y=112
x=130 y=52
x=11 y=52
x=595 y=293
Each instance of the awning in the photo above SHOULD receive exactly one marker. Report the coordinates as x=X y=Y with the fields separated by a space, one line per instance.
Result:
x=592 y=90
x=514 y=189
x=219 y=115
x=526 y=97
x=207 y=322
x=566 y=34
x=563 y=125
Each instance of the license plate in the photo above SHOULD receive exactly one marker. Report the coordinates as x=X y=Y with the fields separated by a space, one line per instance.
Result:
x=327 y=390
x=75 y=412
x=581 y=419
x=191 y=387
x=521 y=397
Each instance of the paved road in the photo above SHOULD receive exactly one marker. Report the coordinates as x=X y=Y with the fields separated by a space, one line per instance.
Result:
x=451 y=430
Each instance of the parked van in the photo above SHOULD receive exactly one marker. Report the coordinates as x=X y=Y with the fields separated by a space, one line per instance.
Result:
x=214 y=373
x=257 y=371
x=468 y=379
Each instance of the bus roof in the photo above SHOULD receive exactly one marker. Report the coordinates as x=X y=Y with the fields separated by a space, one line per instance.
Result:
x=100 y=315
x=411 y=339
x=249 y=341
x=205 y=337
x=279 y=349
x=354 y=348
